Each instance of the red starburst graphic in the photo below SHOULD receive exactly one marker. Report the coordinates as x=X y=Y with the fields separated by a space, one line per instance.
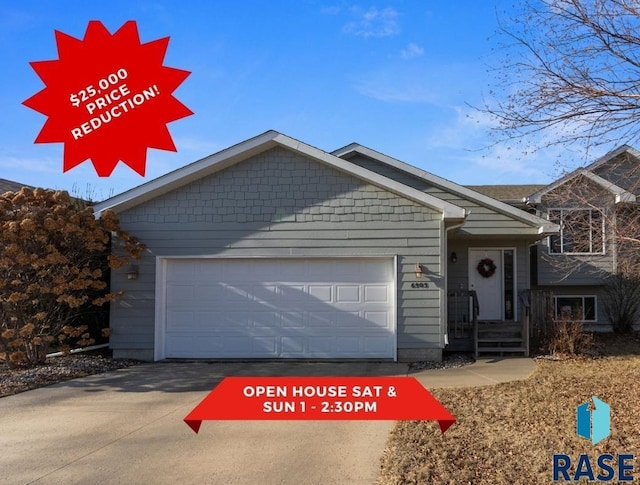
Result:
x=108 y=98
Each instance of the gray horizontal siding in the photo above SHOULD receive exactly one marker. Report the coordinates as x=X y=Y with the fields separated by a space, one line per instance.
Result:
x=578 y=269
x=311 y=211
x=571 y=270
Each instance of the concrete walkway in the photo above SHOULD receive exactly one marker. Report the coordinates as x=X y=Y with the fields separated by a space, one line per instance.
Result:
x=484 y=372
x=127 y=426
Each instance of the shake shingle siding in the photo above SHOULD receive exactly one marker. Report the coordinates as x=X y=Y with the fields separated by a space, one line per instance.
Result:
x=282 y=204
x=481 y=220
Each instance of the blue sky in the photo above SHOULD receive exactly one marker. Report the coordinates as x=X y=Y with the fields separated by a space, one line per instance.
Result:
x=397 y=76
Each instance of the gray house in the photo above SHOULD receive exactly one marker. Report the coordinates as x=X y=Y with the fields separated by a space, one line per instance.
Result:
x=276 y=249
x=591 y=205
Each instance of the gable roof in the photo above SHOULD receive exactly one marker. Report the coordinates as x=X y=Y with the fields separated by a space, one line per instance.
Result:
x=543 y=225
x=613 y=154
x=11 y=186
x=620 y=194
x=507 y=193
x=253 y=146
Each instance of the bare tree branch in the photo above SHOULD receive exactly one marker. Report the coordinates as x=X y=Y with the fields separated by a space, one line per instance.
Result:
x=572 y=67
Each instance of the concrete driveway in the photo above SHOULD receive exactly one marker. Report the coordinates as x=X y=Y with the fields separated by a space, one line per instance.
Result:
x=127 y=427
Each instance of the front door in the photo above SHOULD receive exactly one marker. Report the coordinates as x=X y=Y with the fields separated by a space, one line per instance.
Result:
x=487 y=281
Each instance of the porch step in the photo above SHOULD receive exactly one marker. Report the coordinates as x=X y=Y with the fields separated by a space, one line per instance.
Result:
x=499 y=340
x=501 y=349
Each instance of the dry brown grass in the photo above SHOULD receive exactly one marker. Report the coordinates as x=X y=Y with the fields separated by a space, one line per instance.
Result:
x=508 y=433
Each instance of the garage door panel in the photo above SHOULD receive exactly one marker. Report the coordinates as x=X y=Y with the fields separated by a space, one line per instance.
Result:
x=198 y=347
x=235 y=346
x=379 y=272
x=236 y=293
x=347 y=294
x=264 y=270
x=265 y=293
x=292 y=293
x=210 y=322
x=293 y=320
x=266 y=322
x=181 y=321
x=231 y=320
x=377 y=319
x=209 y=294
x=293 y=346
x=373 y=345
x=323 y=346
x=322 y=319
x=181 y=272
x=265 y=346
x=209 y=272
x=181 y=295
x=348 y=345
x=378 y=293
x=322 y=293
x=348 y=319
x=279 y=308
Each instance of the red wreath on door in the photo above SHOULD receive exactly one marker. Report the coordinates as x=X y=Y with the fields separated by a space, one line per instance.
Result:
x=486 y=268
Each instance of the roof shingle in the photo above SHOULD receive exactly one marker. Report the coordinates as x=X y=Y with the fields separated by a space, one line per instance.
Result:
x=507 y=192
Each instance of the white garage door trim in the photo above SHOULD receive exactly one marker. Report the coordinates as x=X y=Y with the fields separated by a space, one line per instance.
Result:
x=163 y=262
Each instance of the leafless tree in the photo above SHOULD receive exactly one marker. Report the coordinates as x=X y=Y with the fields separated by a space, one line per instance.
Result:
x=571 y=74
x=571 y=78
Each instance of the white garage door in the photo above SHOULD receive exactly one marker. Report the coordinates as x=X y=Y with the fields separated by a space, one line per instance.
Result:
x=268 y=308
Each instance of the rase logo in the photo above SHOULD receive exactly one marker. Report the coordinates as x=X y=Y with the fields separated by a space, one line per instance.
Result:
x=594 y=424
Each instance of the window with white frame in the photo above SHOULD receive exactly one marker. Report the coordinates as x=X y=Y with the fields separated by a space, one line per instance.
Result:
x=576 y=308
x=581 y=231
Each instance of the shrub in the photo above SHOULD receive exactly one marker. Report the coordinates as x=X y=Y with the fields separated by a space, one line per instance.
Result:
x=567 y=337
x=622 y=302
x=53 y=255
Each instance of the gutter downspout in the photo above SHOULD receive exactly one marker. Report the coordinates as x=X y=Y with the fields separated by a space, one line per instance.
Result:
x=77 y=351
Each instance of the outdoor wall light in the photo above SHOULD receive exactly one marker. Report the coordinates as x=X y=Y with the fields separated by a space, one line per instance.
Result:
x=454 y=257
x=418 y=270
x=132 y=274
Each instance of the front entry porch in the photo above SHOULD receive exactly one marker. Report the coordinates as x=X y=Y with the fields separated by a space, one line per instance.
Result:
x=484 y=278
x=466 y=333
x=487 y=264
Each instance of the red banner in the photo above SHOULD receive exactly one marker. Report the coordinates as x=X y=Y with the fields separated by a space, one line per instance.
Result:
x=319 y=398
x=108 y=98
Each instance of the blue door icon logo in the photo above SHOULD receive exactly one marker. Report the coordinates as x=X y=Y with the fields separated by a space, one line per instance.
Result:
x=594 y=424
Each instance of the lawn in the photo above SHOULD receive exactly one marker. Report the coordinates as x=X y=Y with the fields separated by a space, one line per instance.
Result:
x=508 y=433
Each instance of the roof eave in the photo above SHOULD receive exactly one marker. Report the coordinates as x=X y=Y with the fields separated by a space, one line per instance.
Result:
x=549 y=229
x=189 y=173
x=529 y=219
x=620 y=194
x=241 y=151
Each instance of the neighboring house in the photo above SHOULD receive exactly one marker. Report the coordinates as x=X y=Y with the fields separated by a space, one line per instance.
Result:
x=275 y=249
x=588 y=204
x=11 y=186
